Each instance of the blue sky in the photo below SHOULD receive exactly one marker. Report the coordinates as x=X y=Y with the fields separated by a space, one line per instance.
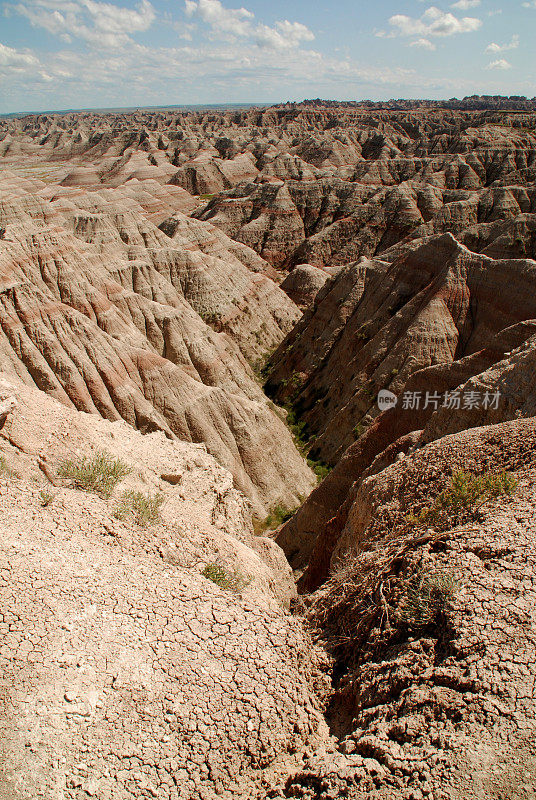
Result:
x=57 y=54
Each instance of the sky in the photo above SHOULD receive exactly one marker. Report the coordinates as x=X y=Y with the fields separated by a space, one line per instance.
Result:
x=59 y=54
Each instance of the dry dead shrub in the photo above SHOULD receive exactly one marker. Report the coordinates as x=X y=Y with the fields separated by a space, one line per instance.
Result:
x=382 y=595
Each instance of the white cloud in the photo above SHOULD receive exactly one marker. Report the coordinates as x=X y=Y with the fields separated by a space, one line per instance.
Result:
x=501 y=63
x=271 y=62
x=433 y=22
x=464 y=5
x=530 y=4
x=101 y=24
x=214 y=72
x=9 y=57
x=503 y=48
x=239 y=23
x=236 y=21
x=423 y=44
x=285 y=34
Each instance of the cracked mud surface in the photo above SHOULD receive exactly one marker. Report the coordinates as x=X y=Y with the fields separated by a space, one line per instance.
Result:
x=125 y=672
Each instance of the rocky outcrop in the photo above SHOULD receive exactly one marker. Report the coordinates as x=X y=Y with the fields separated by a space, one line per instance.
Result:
x=303 y=284
x=262 y=216
x=312 y=537
x=209 y=175
x=445 y=340
x=377 y=323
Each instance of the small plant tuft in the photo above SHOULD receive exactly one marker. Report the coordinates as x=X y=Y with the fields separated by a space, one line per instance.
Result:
x=426 y=597
x=99 y=474
x=5 y=471
x=46 y=497
x=144 y=507
x=320 y=469
x=230 y=580
x=275 y=518
x=359 y=430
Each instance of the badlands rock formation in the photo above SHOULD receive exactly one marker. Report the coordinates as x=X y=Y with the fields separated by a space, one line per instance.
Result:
x=438 y=319
x=106 y=312
x=152 y=266
x=303 y=283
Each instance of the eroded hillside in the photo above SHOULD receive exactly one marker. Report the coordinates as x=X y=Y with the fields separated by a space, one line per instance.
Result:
x=162 y=275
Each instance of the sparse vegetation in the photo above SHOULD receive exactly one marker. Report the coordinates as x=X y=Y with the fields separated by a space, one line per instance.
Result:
x=261 y=367
x=210 y=317
x=320 y=469
x=302 y=440
x=277 y=516
x=359 y=430
x=144 y=507
x=383 y=595
x=463 y=497
x=294 y=383
x=4 y=468
x=99 y=474
x=298 y=428
x=46 y=497
x=426 y=597
x=230 y=580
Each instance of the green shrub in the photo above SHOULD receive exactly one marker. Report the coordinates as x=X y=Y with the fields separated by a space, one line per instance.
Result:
x=276 y=517
x=320 y=469
x=359 y=430
x=467 y=490
x=298 y=429
x=463 y=497
x=99 y=474
x=210 y=317
x=230 y=580
x=144 y=507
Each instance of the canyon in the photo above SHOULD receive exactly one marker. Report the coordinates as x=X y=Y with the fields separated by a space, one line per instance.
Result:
x=334 y=598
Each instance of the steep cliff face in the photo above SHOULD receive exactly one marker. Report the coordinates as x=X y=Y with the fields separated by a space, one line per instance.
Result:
x=378 y=323
x=99 y=308
x=493 y=385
